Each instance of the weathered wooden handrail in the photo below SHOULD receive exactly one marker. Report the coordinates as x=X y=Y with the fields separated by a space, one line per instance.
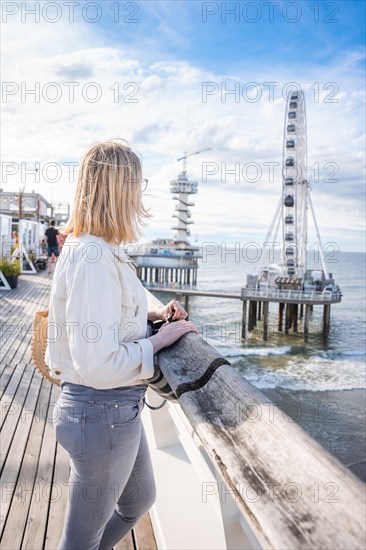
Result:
x=291 y=492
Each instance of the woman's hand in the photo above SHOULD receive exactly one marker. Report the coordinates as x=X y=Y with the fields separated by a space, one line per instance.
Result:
x=170 y=333
x=172 y=309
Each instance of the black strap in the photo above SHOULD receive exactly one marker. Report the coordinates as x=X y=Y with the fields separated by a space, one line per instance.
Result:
x=202 y=381
x=154 y=408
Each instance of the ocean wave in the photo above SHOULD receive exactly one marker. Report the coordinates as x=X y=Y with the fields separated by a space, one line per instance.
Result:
x=265 y=351
x=334 y=354
x=311 y=373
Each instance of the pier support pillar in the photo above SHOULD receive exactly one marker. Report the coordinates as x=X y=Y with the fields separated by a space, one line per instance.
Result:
x=326 y=319
x=294 y=316
x=265 y=320
x=259 y=310
x=255 y=314
x=306 y=322
x=251 y=319
x=291 y=309
x=281 y=307
x=301 y=311
x=244 y=319
x=288 y=318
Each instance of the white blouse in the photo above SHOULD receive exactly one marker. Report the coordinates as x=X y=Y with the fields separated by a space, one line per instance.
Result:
x=97 y=317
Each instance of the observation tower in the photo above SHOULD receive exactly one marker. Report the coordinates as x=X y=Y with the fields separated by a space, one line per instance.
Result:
x=173 y=261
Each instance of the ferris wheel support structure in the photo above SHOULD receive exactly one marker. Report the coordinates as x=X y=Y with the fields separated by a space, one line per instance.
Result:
x=319 y=239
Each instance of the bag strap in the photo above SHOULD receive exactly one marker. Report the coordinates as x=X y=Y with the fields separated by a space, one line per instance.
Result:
x=155 y=408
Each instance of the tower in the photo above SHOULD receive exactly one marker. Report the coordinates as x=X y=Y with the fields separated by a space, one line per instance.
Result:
x=184 y=187
x=173 y=261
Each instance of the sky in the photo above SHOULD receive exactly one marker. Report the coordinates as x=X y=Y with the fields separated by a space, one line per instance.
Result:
x=161 y=75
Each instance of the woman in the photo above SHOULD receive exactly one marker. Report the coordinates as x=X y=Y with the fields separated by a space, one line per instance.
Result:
x=98 y=349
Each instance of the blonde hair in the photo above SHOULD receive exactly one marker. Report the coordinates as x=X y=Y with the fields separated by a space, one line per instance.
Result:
x=108 y=195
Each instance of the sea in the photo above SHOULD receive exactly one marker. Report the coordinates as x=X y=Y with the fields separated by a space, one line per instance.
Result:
x=320 y=384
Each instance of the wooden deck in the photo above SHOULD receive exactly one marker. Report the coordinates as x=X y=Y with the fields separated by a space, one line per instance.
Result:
x=34 y=468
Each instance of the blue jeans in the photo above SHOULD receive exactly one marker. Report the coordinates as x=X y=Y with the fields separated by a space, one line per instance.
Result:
x=111 y=483
x=53 y=249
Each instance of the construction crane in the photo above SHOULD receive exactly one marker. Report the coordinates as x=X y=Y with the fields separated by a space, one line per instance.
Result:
x=186 y=155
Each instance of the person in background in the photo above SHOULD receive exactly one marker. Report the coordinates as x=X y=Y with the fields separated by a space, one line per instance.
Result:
x=44 y=246
x=52 y=247
x=14 y=240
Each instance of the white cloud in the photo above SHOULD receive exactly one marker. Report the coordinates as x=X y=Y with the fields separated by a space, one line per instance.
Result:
x=170 y=117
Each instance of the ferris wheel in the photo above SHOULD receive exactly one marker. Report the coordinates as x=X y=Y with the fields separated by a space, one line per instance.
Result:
x=291 y=215
x=294 y=187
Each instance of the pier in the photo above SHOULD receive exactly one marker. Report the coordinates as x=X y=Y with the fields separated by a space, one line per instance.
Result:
x=151 y=273
x=232 y=470
x=292 y=304
x=290 y=311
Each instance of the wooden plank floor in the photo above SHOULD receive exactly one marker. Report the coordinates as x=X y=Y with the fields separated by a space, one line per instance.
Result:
x=34 y=468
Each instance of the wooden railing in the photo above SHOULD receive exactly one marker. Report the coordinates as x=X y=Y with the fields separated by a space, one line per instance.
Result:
x=275 y=486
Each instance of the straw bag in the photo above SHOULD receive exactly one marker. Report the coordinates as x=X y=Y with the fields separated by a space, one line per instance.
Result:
x=39 y=344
